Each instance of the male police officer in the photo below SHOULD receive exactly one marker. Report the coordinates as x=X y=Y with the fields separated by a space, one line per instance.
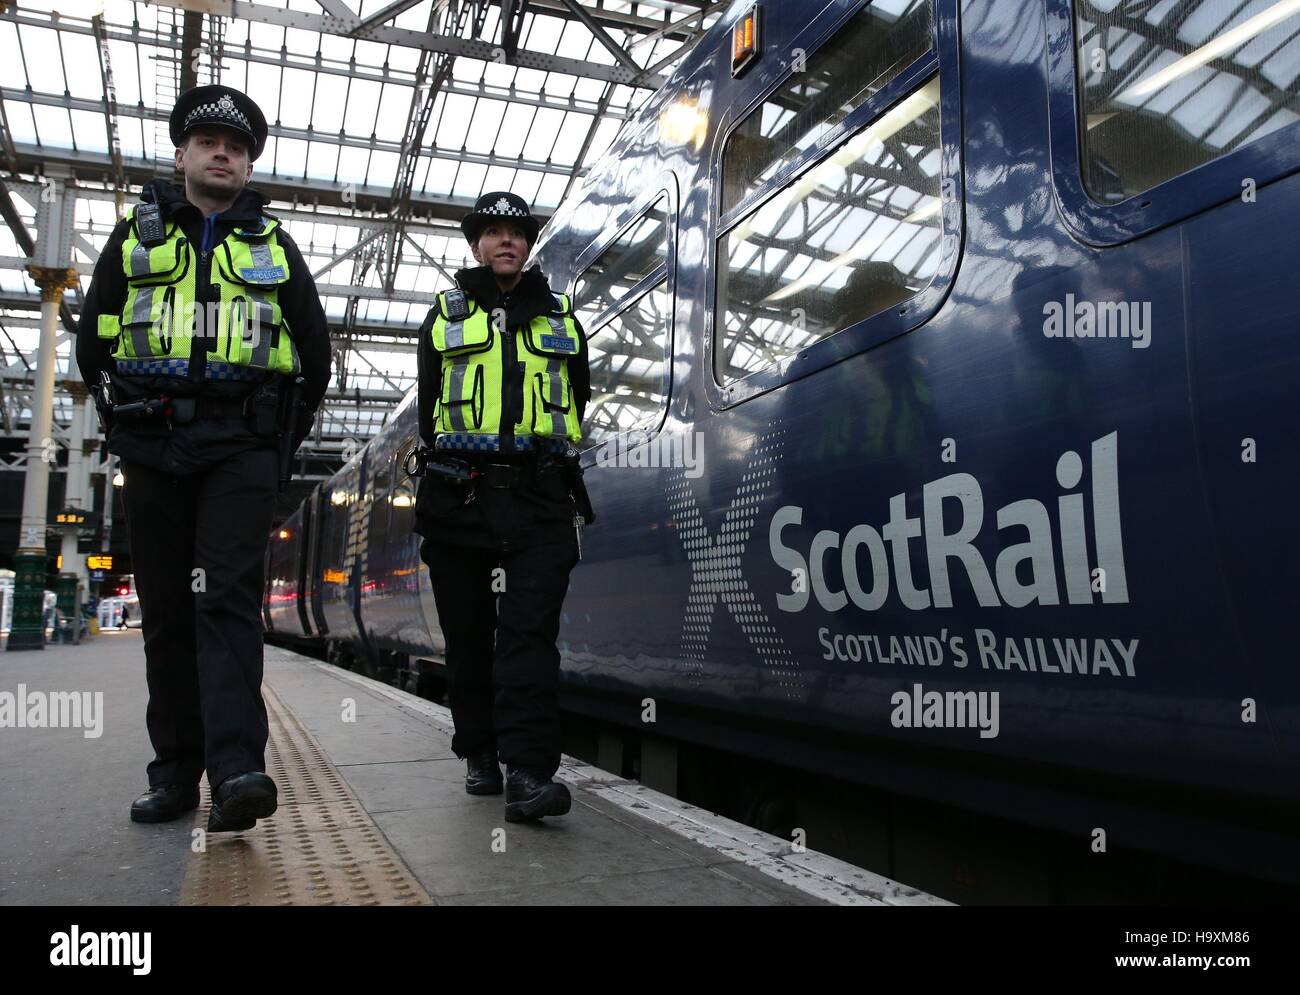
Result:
x=205 y=343
x=503 y=383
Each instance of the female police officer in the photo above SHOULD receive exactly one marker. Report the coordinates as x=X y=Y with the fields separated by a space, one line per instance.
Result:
x=503 y=383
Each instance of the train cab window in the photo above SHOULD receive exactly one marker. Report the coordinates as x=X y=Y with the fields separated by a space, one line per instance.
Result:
x=864 y=56
x=857 y=232
x=625 y=305
x=1167 y=87
x=633 y=257
x=403 y=497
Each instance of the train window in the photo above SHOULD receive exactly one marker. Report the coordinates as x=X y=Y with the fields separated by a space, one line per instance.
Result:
x=633 y=256
x=403 y=498
x=1166 y=87
x=869 y=52
x=629 y=368
x=625 y=305
x=856 y=233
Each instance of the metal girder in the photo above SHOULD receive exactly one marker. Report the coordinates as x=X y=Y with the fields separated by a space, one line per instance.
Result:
x=512 y=24
x=602 y=36
x=292 y=190
x=361 y=245
x=388 y=34
x=428 y=258
x=338 y=9
x=287 y=60
x=681 y=27
x=619 y=19
x=433 y=71
x=587 y=140
x=374 y=293
x=19 y=263
x=456 y=206
x=383 y=16
x=7 y=141
x=284 y=131
x=25 y=242
x=191 y=43
x=110 y=112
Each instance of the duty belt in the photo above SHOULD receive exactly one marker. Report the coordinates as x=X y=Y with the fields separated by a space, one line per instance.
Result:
x=182 y=410
x=467 y=469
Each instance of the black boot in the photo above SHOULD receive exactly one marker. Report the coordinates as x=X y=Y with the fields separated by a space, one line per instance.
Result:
x=530 y=795
x=484 y=776
x=165 y=803
x=240 y=800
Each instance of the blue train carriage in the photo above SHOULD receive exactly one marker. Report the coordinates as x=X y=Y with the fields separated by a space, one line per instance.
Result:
x=943 y=415
x=958 y=354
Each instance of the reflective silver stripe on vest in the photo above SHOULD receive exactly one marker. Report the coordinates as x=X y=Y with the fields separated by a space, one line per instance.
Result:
x=454 y=410
x=264 y=315
x=142 y=319
x=555 y=395
x=557 y=326
x=261 y=253
x=140 y=260
x=455 y=334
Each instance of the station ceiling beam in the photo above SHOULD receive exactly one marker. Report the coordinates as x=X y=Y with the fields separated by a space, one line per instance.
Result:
x=471 y=48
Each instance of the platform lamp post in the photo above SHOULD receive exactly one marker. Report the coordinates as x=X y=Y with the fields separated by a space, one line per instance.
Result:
x=52 y=273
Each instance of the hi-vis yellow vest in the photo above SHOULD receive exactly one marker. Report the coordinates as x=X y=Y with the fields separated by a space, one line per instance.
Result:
x=468 y=411
x=242 y=312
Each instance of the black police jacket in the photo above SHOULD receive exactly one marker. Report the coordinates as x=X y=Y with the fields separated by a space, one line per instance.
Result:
x=540 y=509
x=184 y=448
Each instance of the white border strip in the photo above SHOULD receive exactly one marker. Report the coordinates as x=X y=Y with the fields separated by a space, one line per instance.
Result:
x=818 y=875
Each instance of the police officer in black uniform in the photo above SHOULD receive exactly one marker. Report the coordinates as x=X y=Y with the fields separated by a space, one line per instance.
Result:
x=205 y=344
x=503 y=383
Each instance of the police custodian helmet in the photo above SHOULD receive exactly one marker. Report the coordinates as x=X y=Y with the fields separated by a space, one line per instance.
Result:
x=218 y=105
x=499 y=206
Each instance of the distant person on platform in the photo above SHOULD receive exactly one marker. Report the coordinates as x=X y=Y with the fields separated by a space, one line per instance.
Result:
x=126 y=615
x=204 y=341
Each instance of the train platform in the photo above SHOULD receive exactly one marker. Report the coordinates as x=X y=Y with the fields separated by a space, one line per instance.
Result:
x=372 y=810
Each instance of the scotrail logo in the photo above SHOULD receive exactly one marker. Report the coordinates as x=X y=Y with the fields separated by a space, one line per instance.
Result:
x=951 y=519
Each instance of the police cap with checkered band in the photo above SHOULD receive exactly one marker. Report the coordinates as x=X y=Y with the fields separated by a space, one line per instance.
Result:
x=497 y=207
x=223 y=106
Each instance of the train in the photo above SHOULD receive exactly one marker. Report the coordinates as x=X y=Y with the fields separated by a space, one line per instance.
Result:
x=942 y=435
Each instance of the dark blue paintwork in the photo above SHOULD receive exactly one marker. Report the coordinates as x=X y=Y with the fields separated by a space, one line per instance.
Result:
x=1162 y=759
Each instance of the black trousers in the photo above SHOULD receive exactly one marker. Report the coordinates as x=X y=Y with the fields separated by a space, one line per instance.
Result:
x=502 y=660
x=198 y=543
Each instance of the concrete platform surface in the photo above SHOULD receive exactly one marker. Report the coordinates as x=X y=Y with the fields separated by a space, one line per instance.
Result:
x=66 y=839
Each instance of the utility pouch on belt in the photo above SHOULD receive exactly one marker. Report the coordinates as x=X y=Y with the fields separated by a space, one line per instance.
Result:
x=262 y=409
x=184 y=410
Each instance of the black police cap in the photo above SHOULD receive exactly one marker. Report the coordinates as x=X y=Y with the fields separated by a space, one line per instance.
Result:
x=218 y=105
x=500 y=206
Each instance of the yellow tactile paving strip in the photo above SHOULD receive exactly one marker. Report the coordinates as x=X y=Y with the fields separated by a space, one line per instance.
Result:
x=320 y=847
